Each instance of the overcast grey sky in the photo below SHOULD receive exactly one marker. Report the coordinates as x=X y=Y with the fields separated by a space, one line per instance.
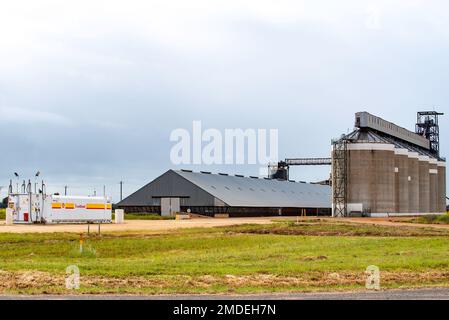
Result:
x=91 y=90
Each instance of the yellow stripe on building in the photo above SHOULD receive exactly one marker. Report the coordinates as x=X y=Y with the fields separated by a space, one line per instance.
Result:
x=70 y=206
x=95 y=206
x=56 y=205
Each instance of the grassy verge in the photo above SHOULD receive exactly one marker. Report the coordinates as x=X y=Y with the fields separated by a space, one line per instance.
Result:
x=332 y=228
x=434 y=219
x=144 y=216
x=244 y=259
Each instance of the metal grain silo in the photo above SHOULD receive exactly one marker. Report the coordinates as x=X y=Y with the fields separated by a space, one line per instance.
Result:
x=442 y=186
x=424 y=185
x=413 y=177
x=433 y=189
x=401 y=181
x=371 y=177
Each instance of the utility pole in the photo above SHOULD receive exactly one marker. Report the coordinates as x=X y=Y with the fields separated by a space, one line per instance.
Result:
x=65 y=190
x=35 y=180
x=121 y=190
x=18 y=178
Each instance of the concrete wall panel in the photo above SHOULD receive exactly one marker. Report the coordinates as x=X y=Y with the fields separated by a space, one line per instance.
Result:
x=442 y=186
x=424 y=185
x=371 y=178
x=401 y=183
x=433 y=189
x=413 y=187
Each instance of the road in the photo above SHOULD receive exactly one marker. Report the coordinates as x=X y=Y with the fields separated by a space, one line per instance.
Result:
x=412 y=294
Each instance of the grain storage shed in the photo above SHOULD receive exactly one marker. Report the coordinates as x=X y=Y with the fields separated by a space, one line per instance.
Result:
x=209 y=194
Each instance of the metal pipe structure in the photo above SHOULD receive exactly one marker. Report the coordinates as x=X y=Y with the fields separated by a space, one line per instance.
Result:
x=308 y=162
x=281 y=171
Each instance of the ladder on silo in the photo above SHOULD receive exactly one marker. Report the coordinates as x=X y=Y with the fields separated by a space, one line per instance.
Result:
x=340 y=178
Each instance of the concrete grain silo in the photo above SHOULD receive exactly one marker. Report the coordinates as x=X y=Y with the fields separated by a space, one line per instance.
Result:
x=401 y=181
x=381 y=169
x=424 y=185
x=371 y=179
x=433 y=189
x=413 y=186
x=442 y=186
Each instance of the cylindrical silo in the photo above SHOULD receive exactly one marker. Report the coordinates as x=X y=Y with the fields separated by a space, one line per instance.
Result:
x=424 y=185
x=371 y=177
x=401 y=181
x=442 y=186
x=433 y=188
x=413 y=178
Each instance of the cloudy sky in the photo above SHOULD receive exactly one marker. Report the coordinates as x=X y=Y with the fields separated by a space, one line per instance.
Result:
x=91 y=90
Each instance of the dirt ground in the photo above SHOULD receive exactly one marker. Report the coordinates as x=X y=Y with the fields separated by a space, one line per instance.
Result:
x=136 y=225
x=165 y=225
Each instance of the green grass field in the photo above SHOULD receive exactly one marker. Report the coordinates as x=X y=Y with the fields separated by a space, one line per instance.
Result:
x=281 y=257
x=146 y=216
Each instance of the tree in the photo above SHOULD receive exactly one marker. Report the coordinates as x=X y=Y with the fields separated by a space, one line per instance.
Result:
x=4 y=203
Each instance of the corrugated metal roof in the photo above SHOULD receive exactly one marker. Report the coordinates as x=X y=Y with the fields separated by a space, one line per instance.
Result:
x=367 y=135
x=367 y=120
x=237 y=191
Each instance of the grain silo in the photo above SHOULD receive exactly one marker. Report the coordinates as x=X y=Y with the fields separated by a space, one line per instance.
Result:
x=402 y=196
x=413 y=178
x=433 y=180
x=424 y=184
x=374 y=191
x=442 y=186
x=381 y=169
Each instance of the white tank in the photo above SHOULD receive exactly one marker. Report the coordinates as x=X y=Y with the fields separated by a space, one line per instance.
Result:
x=37 y=208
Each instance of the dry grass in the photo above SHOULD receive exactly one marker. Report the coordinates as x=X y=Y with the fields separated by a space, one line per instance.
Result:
x=328 y=228
x=432 y=219
x=282 y=257
x=45 y=282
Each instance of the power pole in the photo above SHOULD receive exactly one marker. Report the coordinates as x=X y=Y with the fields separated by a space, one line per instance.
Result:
x=121 y=190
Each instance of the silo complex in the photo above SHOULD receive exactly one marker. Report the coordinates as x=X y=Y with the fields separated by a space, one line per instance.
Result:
x=389 y=171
